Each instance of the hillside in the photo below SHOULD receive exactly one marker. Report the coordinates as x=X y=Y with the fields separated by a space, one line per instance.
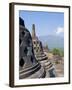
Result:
x=52 y=41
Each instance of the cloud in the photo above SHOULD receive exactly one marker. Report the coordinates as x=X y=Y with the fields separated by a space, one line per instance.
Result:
x=59 y=30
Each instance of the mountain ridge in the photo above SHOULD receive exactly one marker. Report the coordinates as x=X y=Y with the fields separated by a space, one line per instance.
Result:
x=52 y=41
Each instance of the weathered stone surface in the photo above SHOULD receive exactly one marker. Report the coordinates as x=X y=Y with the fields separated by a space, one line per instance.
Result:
x=41 y=56
x=28 y=65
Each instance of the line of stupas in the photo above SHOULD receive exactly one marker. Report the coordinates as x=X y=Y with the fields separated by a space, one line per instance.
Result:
x=33 y=62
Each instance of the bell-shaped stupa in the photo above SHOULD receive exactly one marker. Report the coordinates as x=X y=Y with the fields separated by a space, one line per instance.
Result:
x=41 y=56
x=29 y=67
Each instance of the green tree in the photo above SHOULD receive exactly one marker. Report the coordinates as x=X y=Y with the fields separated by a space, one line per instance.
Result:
x=57 y=51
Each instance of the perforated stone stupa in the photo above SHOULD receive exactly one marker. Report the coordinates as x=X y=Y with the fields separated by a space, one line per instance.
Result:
x=41 y=56
x=29 y=67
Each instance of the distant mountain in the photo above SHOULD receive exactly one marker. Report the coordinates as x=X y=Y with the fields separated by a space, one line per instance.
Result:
x=52 y=41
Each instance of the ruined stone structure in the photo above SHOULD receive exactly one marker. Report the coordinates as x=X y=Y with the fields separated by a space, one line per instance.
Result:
x=28 y=65
x=41 y=56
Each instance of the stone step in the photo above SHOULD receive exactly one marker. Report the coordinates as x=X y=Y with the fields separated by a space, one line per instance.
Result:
x=39 y=74
x=30 y=72
x=41 y=55
x=41 y=58
x=27 y=69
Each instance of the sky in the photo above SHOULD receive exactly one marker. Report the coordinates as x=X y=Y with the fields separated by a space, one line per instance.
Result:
x=46 y=23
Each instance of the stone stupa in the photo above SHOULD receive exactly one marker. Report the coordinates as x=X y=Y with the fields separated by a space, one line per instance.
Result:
x=41 y=56
x=29 y=67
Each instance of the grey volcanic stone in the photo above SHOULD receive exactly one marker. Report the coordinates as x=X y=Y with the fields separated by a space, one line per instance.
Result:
x=41 y=56
x=28 y=65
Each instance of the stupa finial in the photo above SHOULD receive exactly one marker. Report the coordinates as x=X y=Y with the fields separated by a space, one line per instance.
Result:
x=33 y=31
